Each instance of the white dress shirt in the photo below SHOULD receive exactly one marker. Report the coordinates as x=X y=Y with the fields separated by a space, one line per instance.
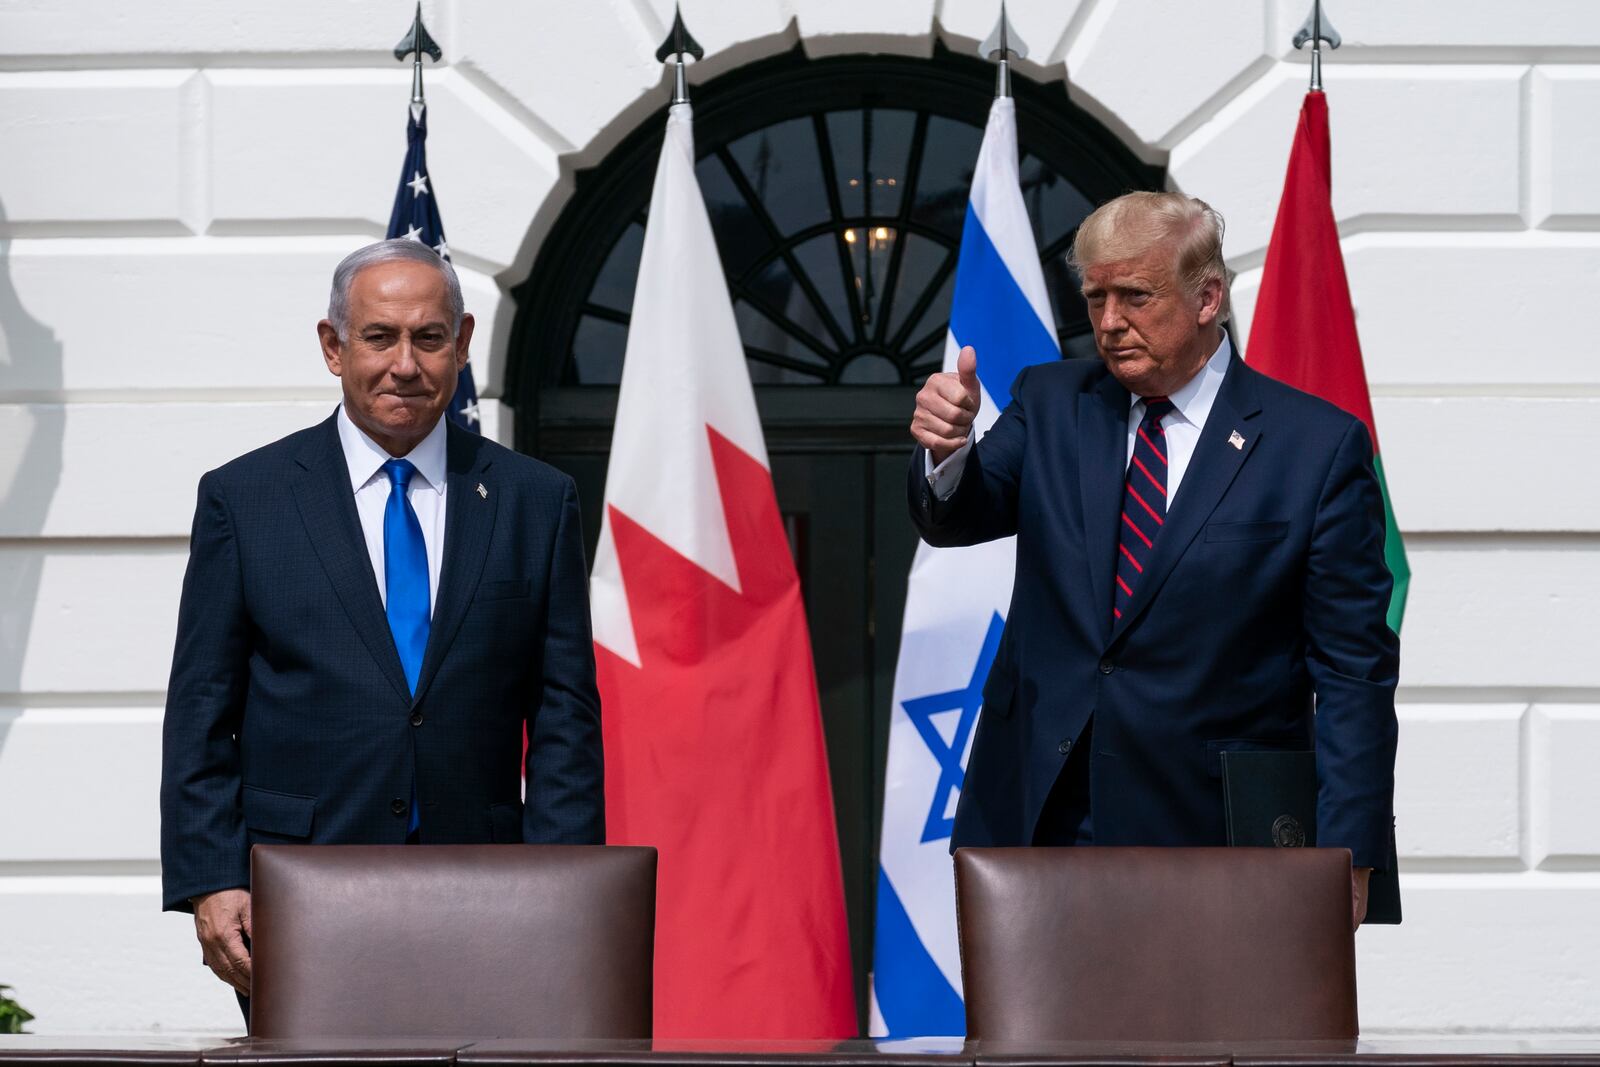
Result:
x=1191 y=407
x=426 y=492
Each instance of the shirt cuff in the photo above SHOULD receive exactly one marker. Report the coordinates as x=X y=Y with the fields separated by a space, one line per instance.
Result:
x=944 y=478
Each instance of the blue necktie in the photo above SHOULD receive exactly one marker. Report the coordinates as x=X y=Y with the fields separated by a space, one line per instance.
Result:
x=405 y=582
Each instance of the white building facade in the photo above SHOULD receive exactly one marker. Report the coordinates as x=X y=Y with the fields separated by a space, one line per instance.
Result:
x=177 y=183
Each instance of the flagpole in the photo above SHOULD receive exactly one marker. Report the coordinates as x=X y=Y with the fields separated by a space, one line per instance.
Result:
x=1003 y=45
x=415 y=43
x=1317 y=29
x=678 y=44
x=415 y=214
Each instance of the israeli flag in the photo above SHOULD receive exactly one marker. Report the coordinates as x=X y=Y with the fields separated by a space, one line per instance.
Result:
x=955 y=610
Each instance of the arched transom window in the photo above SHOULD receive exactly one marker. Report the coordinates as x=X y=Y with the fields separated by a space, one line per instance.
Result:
x=837 y=190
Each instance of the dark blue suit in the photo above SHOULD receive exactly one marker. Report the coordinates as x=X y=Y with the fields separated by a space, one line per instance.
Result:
x=288 y=715
x=1266 y=588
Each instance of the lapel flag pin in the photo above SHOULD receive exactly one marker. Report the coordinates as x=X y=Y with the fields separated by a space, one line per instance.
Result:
x=1235 y=439
x=485 y=493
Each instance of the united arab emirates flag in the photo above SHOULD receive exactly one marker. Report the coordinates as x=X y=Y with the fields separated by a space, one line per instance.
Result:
x=1304 y=331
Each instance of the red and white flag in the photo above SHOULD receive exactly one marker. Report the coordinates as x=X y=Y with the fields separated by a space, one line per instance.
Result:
x=713 y=736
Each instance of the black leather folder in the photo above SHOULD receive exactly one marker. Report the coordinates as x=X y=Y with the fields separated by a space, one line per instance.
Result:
x=1270 y=801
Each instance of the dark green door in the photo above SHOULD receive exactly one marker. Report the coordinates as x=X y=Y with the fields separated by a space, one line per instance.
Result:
x=853 y=550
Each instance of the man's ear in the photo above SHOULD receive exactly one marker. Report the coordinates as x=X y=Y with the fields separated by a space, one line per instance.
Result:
x=1210 y=301
x=464 y=339
x=332 y=348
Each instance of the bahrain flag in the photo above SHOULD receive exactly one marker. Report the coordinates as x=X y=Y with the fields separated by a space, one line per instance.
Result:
x=713 y=736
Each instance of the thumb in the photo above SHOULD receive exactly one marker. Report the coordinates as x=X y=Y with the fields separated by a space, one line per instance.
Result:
x=967 y=370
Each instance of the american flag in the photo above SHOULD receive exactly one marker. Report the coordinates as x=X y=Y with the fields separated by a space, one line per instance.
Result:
x=416 y=218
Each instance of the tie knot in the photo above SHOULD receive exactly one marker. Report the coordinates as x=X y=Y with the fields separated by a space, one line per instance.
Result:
x=399 y=472
x=1157 y=408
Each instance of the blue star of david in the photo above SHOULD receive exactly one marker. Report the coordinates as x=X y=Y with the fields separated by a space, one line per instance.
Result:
x=967 y=700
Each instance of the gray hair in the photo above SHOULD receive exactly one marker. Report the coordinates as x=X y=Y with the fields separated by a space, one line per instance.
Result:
x=392 y=250
x=1134 y=223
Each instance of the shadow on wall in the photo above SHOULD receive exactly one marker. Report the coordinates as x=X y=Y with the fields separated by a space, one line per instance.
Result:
x=31 y=436
x=7 y=717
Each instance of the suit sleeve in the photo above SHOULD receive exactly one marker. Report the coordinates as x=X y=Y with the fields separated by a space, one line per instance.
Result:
x=984 y=504
x=565 y=768
x=203 y=847
x=1353 y=658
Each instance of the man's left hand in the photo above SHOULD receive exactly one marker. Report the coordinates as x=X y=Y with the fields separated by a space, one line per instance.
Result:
x=1358 y=894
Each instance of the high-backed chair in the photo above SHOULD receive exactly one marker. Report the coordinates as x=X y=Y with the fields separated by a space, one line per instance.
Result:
x=1158 y=944
x=549 y=941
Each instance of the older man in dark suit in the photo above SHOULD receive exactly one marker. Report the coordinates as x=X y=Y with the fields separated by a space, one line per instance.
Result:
x=374 y=609
x=1199 y=564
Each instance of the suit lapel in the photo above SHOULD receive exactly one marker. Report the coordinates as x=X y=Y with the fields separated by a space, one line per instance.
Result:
x=469 y=522
x=328 y=508
x=1217 y=460
x=1102 y=452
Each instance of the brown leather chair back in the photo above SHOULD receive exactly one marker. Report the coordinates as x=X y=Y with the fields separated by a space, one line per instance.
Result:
x=553 y=941
x=1158 y=944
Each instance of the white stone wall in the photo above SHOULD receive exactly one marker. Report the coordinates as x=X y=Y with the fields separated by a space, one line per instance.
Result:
x=178 y=179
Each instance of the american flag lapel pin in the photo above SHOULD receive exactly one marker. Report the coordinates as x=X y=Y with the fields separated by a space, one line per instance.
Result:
x=485 y=493
x=1236 y=439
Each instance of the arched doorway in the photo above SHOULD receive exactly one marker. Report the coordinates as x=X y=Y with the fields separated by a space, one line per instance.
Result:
x=837 y=190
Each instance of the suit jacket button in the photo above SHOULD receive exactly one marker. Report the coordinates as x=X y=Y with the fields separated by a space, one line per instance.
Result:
x=1106 y=666
x=398 y=806
x=416 y=718
x=1064 y=747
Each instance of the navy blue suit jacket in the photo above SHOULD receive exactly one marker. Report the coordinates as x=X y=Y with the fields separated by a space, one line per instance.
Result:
x=1267 y=587
x=288 y=715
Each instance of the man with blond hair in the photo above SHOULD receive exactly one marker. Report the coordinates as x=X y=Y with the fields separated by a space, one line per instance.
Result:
x=1199 y=563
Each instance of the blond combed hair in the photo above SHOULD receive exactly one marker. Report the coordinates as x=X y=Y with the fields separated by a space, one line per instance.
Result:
x=1134 y=223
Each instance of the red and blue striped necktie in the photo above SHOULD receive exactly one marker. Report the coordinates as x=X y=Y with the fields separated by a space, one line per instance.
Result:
x=1144 y=501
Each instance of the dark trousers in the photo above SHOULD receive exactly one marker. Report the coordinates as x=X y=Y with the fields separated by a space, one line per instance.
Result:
x=1066 y=818
x=244 y=1001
